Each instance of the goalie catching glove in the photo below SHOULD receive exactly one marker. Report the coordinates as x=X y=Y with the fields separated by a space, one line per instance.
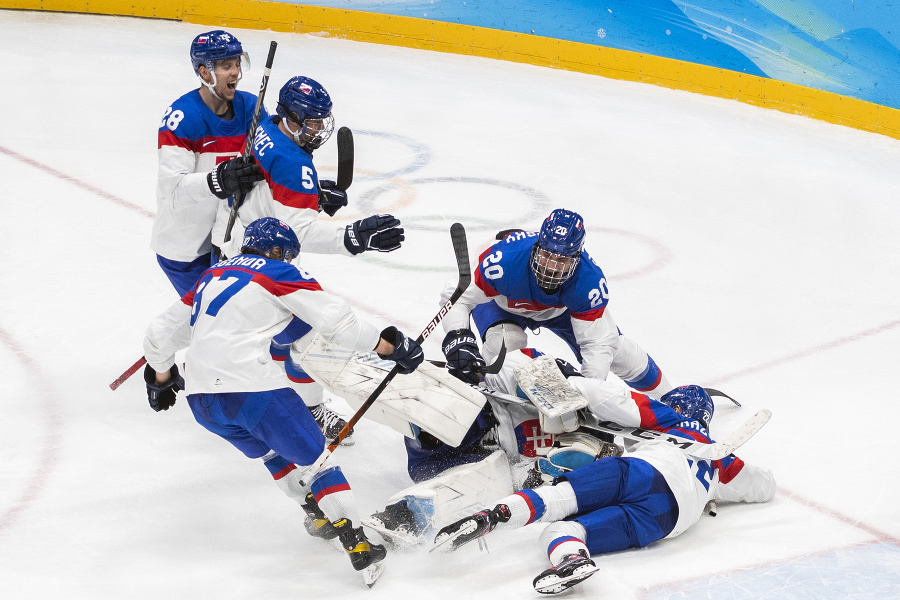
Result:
x=407 y=352
x=162 y=395
x=234 y=177
x=464 y=360
x=378 y=232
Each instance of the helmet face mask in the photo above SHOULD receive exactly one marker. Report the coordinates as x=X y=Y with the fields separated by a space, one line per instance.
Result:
x=557 y=251
x=306 y=103
x=264 y=236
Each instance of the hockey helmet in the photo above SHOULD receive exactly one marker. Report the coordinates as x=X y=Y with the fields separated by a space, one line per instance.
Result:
x=691 y=401
x=557 y=251
x=304 y=101
x=212 y=46
x=262 y=236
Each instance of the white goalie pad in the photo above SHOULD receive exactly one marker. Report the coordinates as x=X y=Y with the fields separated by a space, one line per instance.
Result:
x=547 y=388
x=458 y=492
x=429 y=397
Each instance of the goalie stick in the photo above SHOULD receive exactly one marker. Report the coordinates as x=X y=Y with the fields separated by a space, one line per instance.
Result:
x=461 y=249
x=714 y=451
x=248 y=144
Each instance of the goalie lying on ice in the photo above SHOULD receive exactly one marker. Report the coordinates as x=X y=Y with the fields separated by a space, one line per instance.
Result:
x=652 y=492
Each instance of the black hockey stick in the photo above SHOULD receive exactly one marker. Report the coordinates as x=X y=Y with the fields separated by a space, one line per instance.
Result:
x=248 y=149
x=461 y=249
x=345 y=158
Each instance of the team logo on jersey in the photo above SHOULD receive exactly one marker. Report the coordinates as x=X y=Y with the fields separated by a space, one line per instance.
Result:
x=532 y=440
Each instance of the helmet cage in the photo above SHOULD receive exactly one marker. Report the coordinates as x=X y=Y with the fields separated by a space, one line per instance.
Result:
x=264 y=235
x=304 y=101
x=692 y=402
x=552 y=269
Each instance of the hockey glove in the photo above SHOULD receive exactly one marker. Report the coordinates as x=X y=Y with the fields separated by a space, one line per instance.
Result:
x=331 y=199
x=407 y=353
x=463 y=357
x=378 y=232
x=162 y=396
x=567 y=368
x=234 y=177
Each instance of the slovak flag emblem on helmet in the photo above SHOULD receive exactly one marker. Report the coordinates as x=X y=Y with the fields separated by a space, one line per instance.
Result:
x=306 y=88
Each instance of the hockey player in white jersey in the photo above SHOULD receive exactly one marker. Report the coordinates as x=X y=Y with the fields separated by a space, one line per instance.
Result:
x=653 y=491
x=237 y=391
x=199 y=138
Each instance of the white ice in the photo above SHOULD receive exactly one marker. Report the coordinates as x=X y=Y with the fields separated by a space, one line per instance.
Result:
x=746 y=249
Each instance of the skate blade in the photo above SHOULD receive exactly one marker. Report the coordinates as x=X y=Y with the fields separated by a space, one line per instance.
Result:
x=371 y=573
x=554 y=584
x=443 y=539
x=399 y=539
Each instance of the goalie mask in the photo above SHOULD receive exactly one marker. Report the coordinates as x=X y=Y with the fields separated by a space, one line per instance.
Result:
x=264 y=235
x=210 y=47
x=557 y=252
x=305 y=102
x=691 y=401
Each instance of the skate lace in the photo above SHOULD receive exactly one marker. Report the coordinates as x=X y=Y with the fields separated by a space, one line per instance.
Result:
x=324 y=416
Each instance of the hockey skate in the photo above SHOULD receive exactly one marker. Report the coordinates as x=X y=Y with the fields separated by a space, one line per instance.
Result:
x=396 y=524
x=330 y=423
x=471 y=527
x=366 y=557
x=316 y=523
x=574 y=569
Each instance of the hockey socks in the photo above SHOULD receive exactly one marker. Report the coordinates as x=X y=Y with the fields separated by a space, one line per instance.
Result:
x=563 y=538
x=332 y=493
x=545 y=504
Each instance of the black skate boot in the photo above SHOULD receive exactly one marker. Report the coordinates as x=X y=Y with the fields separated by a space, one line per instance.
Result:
x=396 y=524
x=365 y=556
x=574 y=569
x=330 y=423
x=316 y=523
x=472 y=527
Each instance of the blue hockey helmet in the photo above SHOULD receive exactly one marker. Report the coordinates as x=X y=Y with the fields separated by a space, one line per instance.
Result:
x=212 y=46
x=304 y=101
x=691 y=401
x=262 y=236
x=557 y=252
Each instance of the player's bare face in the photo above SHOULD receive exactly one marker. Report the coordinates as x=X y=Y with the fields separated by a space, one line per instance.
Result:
x=228 y=73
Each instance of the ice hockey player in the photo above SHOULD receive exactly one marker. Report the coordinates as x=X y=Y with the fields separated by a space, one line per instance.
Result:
x=283 y=147
x=545 y=280
x=653 y=491
x=200 y=136
x=237 y=391
x=503 y=451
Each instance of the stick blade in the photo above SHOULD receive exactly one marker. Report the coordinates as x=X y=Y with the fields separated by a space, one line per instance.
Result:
x=345 y=158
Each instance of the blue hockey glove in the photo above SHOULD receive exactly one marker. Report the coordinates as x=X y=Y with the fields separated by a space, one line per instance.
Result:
x=162 y=396
x=378 y=232
x=331 y=199
x=567 y=368
x=234 y=177
x=407 y=353
x=463 y=357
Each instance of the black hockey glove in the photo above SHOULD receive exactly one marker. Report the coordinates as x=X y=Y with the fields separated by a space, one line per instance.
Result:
x=407 y=353
x=331 y=199
x=234 y=177
x=567 y=368
x=378 y=232
x=463 y=357
x=162 y=397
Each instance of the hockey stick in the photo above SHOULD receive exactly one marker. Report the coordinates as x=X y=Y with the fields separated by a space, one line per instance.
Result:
x=461 y=249
x=714 y=451
x=345 y=158
x=128 y=373
x=248 y=144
